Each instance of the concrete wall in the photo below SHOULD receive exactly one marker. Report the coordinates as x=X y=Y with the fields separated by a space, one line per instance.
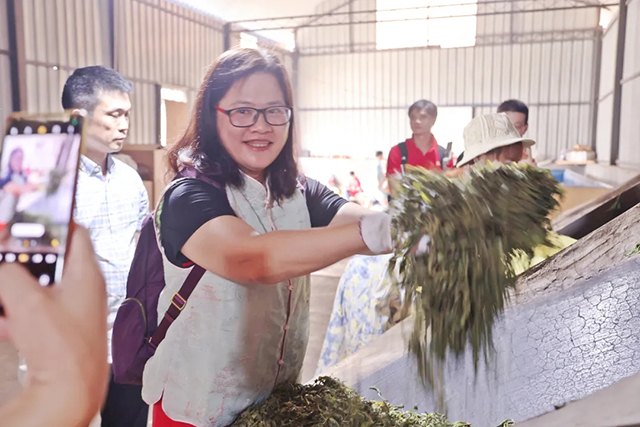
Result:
x=161 y=43
x=629 y=154
x=156 y=43
x=353 y=99
x=59 y=36
x=605 y=101
x=630 y=123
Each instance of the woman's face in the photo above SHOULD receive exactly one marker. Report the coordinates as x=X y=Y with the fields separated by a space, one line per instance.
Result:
x=510 y=153
x=16 y=161
x=253 y=148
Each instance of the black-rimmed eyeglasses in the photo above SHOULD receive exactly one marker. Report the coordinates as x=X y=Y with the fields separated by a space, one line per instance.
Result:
x=245 y=117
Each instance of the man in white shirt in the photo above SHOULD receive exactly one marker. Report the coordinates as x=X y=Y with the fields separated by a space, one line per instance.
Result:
x=111 y=202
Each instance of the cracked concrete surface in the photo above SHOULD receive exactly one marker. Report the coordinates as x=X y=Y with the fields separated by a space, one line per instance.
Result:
x=616 y=405
x=591 y=256
x=551 y=351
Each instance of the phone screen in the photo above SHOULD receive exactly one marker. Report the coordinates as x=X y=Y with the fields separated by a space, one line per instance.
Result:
x=38 y=171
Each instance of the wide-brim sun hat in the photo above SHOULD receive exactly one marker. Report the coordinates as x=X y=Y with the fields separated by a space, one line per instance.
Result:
x=488 y=132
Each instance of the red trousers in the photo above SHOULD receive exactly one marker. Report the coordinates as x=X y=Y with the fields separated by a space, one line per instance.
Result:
x=160 y=419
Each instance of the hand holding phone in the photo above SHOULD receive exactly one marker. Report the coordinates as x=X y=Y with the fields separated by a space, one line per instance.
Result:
x=62 y=334
x=38 y=172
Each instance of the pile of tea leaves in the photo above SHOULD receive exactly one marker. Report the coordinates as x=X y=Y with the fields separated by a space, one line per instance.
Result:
x=328 y=402
x=477 y=224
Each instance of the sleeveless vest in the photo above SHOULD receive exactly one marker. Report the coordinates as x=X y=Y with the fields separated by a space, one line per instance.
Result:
x=232 y=343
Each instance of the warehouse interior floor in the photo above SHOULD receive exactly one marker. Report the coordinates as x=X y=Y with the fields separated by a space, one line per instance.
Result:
x=323 y=290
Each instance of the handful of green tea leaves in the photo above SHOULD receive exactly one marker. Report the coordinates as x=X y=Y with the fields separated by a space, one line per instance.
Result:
x=476 y=224
x=328 y=402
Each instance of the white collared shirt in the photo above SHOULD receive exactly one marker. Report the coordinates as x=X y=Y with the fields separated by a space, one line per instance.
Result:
x=112 y=207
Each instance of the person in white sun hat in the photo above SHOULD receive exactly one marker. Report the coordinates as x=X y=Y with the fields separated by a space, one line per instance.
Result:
x=493 y=137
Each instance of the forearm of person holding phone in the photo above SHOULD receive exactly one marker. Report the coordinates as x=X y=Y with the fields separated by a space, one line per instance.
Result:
x=61 y=331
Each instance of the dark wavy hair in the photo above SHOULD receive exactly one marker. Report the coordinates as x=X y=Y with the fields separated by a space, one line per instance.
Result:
x=201 y=147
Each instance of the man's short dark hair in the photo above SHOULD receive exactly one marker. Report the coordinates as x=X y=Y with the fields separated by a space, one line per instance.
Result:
x=85 y=86
x=379 y=153
x=515 y=106
x=423 y=104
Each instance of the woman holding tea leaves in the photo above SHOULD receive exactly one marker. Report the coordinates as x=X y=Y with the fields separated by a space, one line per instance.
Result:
x=259 y=230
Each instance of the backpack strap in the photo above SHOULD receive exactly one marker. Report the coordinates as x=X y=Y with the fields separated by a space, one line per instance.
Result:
x=179 y=299
x=154 y=213
x=178 y=302
x=404 y=155
x=441 y=155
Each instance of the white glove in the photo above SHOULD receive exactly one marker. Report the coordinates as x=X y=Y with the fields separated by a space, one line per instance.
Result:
x=375 y=230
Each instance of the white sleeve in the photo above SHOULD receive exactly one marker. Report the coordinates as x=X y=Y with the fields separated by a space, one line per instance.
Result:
x=144 y=205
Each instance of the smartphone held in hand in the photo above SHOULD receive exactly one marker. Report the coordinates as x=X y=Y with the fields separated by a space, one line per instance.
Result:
x=38 y=172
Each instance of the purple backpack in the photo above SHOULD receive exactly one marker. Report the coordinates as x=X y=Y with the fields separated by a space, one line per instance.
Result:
x=136 y=333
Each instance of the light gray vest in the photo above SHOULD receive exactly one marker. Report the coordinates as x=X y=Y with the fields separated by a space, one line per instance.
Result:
x=232 y=343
